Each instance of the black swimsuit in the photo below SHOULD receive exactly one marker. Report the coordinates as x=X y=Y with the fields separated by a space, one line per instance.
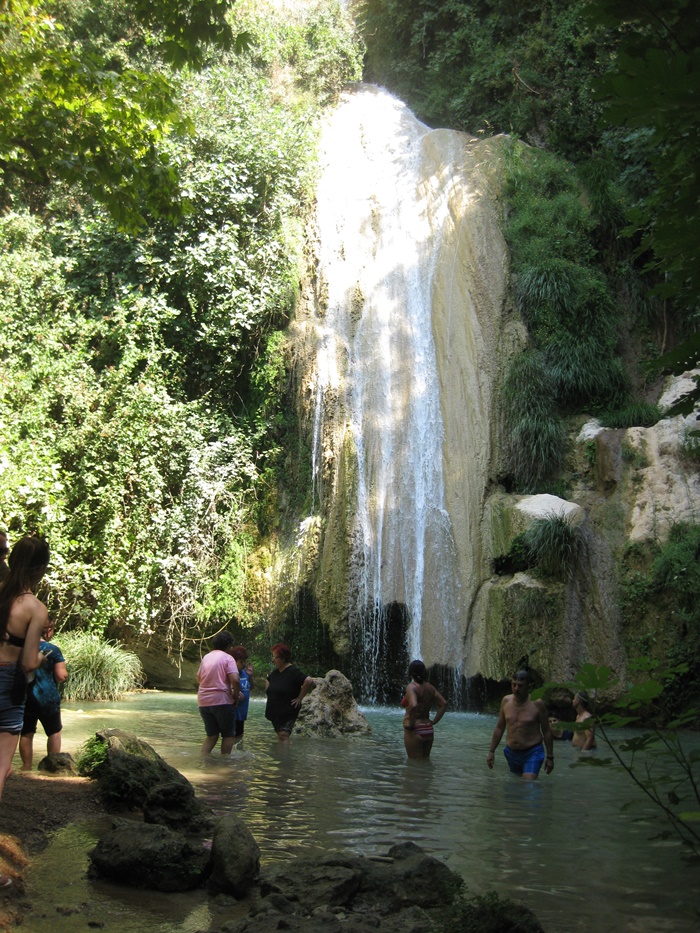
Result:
x=14 y=640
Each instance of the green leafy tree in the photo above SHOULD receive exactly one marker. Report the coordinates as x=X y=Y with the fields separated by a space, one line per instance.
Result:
x=71 y=112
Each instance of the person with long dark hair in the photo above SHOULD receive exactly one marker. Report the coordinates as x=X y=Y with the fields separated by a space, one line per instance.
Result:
x=420 y=698
x=22 y=620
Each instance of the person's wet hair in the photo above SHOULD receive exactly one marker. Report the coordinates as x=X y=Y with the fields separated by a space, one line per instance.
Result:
x=522 y=675
x=583 y=698
x=417 y=671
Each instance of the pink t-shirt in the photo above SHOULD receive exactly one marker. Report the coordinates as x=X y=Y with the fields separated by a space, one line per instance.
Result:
x=214 y=688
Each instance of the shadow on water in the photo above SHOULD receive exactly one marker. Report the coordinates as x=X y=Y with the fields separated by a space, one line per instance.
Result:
x=562 y=845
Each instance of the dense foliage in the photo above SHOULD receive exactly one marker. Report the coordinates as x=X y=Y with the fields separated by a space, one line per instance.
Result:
x=517 y=66
x=602 y=212
x=145 y=372
x=661 y=610
x=80 y=103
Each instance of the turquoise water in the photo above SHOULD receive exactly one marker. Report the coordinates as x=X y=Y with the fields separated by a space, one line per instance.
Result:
x=580 y=847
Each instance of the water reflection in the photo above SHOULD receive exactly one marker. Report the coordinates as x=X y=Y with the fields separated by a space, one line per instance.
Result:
x=562 y=845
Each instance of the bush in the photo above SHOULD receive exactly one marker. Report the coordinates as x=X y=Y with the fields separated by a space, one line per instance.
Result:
x=98 y=669
x=661 y=610
x=638 y=414
x=536 y=434
x=553 y=545
x=584 y=371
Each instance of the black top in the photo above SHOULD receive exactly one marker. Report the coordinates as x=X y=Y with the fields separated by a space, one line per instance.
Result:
x=14 y=640
x=283 y=687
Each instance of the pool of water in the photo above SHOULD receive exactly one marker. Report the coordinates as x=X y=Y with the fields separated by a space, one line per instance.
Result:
x=581 y=847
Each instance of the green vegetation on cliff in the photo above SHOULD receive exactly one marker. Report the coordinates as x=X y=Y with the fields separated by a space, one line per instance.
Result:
x=601 y=206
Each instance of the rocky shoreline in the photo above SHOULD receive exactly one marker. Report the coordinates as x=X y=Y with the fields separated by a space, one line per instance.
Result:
x=161 y=825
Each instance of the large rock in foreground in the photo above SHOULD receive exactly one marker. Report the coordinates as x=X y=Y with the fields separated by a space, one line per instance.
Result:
x=330 y=709
x=393 y=894
x=132 y=775
x=235 y=857
x=144 y=855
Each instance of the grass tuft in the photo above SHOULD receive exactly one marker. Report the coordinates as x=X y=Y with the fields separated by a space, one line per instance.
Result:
x=582 y=371
x=98 y=669
x=537 y=435
x=636 y=415
x=553 y=545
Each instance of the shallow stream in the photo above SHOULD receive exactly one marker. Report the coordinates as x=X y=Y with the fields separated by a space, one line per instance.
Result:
x=580 y=847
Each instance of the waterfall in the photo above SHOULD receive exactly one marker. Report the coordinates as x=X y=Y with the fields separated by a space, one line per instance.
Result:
x=391 y=205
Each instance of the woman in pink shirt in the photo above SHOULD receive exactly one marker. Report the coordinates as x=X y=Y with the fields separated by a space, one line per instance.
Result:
x=217 y=694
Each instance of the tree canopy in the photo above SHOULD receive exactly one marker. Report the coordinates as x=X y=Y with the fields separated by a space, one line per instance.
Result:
x=653 y=92
x=72 y=110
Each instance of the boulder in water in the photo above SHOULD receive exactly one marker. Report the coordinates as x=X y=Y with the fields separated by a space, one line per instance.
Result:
x=331 y=710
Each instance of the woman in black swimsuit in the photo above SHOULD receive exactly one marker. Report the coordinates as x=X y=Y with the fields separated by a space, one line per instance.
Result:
x=22 y=620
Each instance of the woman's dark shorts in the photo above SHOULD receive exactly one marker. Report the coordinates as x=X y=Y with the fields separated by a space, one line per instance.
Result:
x=219 y=720
x=11 y=714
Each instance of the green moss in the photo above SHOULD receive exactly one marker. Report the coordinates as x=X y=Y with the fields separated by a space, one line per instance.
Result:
x=634 y=455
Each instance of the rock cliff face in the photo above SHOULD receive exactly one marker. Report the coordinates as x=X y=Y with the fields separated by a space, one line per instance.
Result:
x=401 y=338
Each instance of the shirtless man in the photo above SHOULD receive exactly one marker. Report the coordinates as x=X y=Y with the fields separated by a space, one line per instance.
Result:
x=526 y=724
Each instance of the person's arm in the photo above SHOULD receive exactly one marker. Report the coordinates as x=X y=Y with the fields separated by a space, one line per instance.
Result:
x=546 y=731
x=234 y=683
x=60 y=672
x=251 y=677
x=305 y=687
x=31 y=657
x=409 y=719
x=497 y=734
x=441 y=704
x=589 y=734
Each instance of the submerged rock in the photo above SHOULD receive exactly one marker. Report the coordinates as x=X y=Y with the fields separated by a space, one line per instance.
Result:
x=404 y=892
x=331 y=710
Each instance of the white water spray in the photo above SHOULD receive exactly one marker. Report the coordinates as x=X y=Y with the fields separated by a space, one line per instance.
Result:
x=377 y=348
x=401 y=379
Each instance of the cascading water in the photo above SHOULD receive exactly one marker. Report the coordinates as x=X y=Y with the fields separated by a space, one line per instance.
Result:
x=390 y=217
